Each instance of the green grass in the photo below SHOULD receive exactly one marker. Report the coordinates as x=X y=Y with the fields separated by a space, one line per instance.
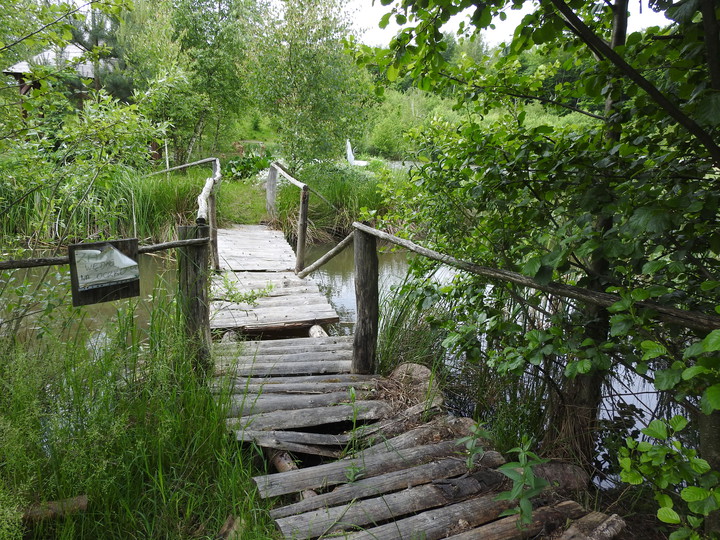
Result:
x=124 y=421
x=345 y=194
x=241 y=201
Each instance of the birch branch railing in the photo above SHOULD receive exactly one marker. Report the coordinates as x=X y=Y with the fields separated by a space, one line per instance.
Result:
x=271 y=197
x=367 y=294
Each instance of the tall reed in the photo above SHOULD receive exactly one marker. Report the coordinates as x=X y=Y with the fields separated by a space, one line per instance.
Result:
x=125 y=421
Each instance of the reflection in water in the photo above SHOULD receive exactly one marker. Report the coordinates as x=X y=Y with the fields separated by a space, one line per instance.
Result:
x=336 y=278
x=45 y=292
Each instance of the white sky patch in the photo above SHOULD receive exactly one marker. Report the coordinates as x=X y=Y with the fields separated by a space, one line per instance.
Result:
x=367 y=15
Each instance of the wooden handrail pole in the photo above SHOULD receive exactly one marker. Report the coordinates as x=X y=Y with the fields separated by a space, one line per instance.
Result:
x=212 y=215
x=367 y=301
x=193 y=289
x=271 y=192
x=302 y=229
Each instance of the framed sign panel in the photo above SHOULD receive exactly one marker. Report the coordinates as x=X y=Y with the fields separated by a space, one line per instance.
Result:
x=104 y=271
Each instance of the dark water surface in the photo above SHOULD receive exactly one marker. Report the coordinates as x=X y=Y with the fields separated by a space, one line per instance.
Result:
x=336 y=278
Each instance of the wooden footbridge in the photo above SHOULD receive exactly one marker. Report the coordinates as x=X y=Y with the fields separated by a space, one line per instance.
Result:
x=378 y=456
x=358 y=455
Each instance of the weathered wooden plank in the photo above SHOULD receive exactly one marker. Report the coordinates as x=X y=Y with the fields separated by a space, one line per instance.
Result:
x=386 y=483
x=594 y=526
x=546 y=520
x=291 y=317
x=305 y=384
x=287 y=345
x=377 y=510
x=277 y=301
x=436 y=523
x=440 y=428
x=336 y=473
x=318 y=416
x=278 y=441
x=254 y=248
x=318 y=439
x=291 y=368
x=260 y=403
x=324 y=356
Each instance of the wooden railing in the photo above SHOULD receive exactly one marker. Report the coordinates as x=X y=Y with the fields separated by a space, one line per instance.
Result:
x=271 y=194
x=367 y=293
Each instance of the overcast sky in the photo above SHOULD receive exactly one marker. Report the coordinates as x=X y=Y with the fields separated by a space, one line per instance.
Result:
x=368 y=16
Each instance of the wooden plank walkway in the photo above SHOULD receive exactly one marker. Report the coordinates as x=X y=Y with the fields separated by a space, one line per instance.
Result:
x=256 y=259
x=390 y=466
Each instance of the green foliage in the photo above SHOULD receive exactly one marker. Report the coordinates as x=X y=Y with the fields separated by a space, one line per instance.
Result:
x=685 y=487
x=315 y=92
x=525 y=484
x=124 y=420
x=472 y=444
x=248 y=165
x=341 y=193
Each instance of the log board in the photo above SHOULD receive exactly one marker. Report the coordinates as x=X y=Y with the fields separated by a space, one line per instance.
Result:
x=435 y=524
x=301 y=384
x=312 y=356
x=252 y=348
x=293 y=368
x=226 y=315
x=260 y=403
x=317 y=416
x=385 y=483
x=374 y=511
x=293 y=437
x=336 y=473
x=546 y=521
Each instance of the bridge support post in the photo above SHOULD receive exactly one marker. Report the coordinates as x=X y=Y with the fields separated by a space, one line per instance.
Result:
x=367 y=300
x=193 y=288
x=302 y=229
x=271 y=192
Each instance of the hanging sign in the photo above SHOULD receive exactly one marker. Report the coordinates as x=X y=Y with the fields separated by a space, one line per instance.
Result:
x=104 y=271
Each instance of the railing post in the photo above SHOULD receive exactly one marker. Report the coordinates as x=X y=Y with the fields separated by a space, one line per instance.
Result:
x=271 y=192
x=302 y=228
x=212 y=217
x=367 y=304
x=193 y=288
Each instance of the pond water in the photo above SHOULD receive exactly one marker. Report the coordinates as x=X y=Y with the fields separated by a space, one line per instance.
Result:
x=38 y=288
x=336 y=279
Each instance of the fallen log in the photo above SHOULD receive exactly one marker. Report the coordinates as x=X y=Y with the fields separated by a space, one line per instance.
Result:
x=545 y=521
x=56 y=509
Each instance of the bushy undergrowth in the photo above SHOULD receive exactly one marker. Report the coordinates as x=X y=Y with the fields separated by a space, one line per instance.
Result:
x=124 y=421
x=340 y=194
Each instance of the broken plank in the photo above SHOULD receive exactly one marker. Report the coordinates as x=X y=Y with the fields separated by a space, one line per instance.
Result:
x=435 y=523
x=294 y=436
x=318 y=416
x=336 y=473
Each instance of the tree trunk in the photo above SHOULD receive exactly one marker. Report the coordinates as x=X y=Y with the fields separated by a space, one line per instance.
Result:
x=573 y=421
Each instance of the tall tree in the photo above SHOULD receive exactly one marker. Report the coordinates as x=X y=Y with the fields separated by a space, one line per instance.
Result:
x=315 y=92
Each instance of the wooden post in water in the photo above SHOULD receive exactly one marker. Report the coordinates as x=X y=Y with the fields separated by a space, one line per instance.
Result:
x=367 y=299
x=302 y=228
x=271 y=192
x=193 y=288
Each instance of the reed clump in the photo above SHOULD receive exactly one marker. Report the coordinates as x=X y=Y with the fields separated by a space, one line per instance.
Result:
x=122 y=418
